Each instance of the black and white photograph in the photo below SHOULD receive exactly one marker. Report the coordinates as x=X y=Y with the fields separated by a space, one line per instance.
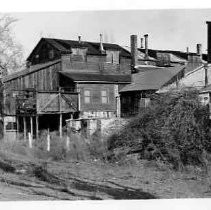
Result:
x=105 y=105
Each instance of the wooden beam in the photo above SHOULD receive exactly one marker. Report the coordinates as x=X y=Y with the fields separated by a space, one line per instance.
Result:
x=60 y=114
x=37 y=126
x=18 y=127
x=31 y=125
x=60 y=125
x=24 y=127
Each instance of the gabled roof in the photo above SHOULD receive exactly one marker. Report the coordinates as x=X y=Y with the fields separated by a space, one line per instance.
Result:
x=97 y=78
x=152 y=79
x=64 y=46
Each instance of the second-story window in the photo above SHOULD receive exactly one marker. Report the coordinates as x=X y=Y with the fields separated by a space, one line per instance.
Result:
x=104 y=96
x=87 y=96
x=112 y=56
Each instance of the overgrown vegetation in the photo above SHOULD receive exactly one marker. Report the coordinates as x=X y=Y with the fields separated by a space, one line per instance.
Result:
x=174 y=129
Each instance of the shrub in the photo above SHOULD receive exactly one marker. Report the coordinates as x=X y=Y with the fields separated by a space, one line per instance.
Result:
x=174 y=128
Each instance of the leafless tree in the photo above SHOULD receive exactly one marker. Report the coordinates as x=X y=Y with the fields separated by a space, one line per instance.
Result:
x=11 y=53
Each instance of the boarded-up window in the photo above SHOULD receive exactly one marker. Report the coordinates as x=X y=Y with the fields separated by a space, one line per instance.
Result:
x=112 y=56
x=87 y=96
x=104 y=96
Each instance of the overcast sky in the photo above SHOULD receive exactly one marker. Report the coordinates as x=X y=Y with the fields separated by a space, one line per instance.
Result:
x=167 y=29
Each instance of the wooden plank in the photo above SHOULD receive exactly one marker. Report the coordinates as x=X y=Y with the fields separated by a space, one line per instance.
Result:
x=37 y=127
x=31 y=124
x=24 y=127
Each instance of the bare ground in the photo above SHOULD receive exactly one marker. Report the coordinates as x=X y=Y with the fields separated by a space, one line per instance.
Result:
x=25 y=179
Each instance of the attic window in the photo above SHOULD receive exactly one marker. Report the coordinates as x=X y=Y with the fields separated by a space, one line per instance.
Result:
x=112 y=56
x=51 y=54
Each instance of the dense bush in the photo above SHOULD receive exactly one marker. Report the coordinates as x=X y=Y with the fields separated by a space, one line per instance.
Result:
x=174 y=128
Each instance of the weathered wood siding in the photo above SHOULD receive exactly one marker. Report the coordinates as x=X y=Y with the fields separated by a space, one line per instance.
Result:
x=43 y=79
x=53 y=103
x=96 y=64
x=44 y=53
x=95 y=98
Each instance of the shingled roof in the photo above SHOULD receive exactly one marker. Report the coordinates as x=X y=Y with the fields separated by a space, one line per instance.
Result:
x=64 y=46
x=81 y=78
x=152 y=79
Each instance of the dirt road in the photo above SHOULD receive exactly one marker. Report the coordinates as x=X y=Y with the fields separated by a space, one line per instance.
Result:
x=98 y=181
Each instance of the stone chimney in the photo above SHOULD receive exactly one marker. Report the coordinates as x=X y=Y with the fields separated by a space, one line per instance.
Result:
x=208 y=41
x=146 y=46
x=134 y=51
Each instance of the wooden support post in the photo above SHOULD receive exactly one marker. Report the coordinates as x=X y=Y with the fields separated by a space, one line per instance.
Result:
x=31 y=125
x=60 y=114
x=24 y=127
x=48 y=141
x=60 y=125
x=37 y=126
x=18 y=127
x=30 y=140
x=118 y=106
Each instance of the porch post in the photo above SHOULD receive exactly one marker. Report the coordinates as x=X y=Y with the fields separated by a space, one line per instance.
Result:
x=31 y=124
x=24 y=127
x=60 y=125
x=37 y=126
x=17 y=133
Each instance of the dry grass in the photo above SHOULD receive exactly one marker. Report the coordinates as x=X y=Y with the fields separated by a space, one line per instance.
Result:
x=81 y=173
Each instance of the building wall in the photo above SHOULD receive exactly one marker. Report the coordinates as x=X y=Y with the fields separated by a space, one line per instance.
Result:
x=44 y=79
x=196 y=78
x=95 y=64
x=44 y=53
x=95 y=97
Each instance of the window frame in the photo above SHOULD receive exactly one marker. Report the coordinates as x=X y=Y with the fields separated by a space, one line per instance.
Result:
x=104 y=96
x=87 y=96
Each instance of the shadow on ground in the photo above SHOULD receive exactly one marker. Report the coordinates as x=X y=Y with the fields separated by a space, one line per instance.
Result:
x=115 y=193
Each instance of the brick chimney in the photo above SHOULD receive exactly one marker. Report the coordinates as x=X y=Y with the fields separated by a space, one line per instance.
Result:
x=199 y=49
x=142 y=43
x=146 y=46
x=208 y=41
x=134 y=51
x=101 y=44
x=187 y=50
x=79 y=39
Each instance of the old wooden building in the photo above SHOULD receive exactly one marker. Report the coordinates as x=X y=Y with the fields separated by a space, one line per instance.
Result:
x=65 y=79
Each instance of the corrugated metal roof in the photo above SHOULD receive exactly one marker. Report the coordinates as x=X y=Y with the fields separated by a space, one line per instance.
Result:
x=152 y=79
x=79 y=77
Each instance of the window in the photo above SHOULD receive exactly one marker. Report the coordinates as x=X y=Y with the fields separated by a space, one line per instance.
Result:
x=104 y=96
x=51 y=54
x=11 y=126
x=112 y=56
x=87 y=96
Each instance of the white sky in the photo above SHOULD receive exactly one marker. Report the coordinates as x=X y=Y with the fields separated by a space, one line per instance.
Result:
x=167 y=29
